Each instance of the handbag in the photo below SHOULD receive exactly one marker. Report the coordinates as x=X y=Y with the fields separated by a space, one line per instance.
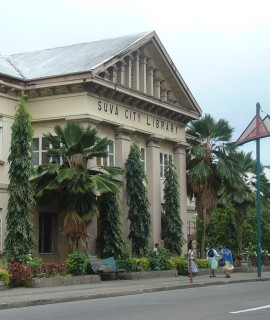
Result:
x=221 y=262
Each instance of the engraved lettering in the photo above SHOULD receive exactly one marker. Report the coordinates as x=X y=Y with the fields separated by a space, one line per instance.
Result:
x=111 y=108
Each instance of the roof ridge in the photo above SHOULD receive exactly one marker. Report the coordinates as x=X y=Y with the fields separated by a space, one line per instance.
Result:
x=13 y=66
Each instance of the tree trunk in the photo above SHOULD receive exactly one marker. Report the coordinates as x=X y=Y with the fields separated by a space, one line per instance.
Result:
x=240 y=237
x=240 y=240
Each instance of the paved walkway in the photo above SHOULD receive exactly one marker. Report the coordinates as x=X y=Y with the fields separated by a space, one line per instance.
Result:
x=22 y=297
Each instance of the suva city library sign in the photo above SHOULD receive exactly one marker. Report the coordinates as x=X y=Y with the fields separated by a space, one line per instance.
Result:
x=138 y=120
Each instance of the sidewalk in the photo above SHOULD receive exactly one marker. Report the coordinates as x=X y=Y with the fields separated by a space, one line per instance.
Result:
x=23 y=297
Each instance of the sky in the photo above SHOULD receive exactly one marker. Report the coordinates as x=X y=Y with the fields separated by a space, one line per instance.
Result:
x=220 y=48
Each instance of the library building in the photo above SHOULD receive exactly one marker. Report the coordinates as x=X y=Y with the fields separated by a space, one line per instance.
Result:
x=129 y=89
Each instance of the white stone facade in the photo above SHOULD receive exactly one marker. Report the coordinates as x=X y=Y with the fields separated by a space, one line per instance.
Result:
x=135 y=94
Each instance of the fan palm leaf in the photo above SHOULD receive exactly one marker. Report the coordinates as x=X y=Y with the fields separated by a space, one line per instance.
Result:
x=75 y=186
x=209 y=165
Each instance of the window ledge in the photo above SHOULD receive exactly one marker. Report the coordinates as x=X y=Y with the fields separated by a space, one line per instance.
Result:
x=2 y=162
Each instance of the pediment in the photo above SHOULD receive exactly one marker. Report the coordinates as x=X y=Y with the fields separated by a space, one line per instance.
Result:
x=156 y=58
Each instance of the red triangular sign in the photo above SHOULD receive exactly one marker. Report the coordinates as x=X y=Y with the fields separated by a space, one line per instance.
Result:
x=255 y=130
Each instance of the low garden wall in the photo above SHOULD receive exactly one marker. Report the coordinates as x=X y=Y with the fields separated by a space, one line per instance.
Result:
x=63 y=281
x=148 y=275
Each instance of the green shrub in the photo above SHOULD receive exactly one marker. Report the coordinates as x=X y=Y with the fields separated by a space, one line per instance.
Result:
x=143 y=264
x=129 y=264
x=202 y=263
x=77 y=263
x=158 y=260
x=32 y=263
x=170 y=264
x=5 y=277
x=181 y=264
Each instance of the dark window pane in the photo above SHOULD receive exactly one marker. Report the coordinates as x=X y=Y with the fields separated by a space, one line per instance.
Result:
x=46 y=233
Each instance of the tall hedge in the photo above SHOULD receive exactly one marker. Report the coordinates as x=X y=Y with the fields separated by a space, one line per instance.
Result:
x=110 y=241
x=172 y=234
x=18 y=239
x=137 y=201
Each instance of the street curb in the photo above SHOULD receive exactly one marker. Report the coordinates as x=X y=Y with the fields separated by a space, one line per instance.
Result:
x=46 y=301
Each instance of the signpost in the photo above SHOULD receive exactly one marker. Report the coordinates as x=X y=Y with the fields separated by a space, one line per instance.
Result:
x=256 y=130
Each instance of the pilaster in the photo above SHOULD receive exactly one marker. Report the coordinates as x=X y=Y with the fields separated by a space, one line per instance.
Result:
x=128 y=66
x=113 y=74
x=150 y=81
x=136 y=73
x=157 y=85
x=163 y=95
x=143 y=64
x=122 y=149
x=180 y=164
x=121 y=72
x=153 y=186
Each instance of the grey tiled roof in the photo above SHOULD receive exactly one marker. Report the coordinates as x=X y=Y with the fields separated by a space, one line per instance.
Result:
x=65 y=60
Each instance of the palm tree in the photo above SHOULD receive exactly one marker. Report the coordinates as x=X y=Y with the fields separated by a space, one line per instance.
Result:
x=209 y=165
x=242 y=196
x=72 y=184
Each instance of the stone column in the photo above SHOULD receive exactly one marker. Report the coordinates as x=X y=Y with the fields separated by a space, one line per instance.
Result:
x=121 y=72
x=150 y=81
x=163 y=94
x=143 y=65
x=128 y=62
x=180 y=164
x=122 y=149
x=157 y=84
x=153 y=186
x=113 y=74
x=136 y=73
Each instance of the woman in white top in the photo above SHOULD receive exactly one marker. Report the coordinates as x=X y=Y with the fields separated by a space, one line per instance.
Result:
x=191 y=263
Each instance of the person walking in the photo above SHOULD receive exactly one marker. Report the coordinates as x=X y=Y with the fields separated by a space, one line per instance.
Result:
x=228 y=258
x=192 y=268
x=212 y=256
